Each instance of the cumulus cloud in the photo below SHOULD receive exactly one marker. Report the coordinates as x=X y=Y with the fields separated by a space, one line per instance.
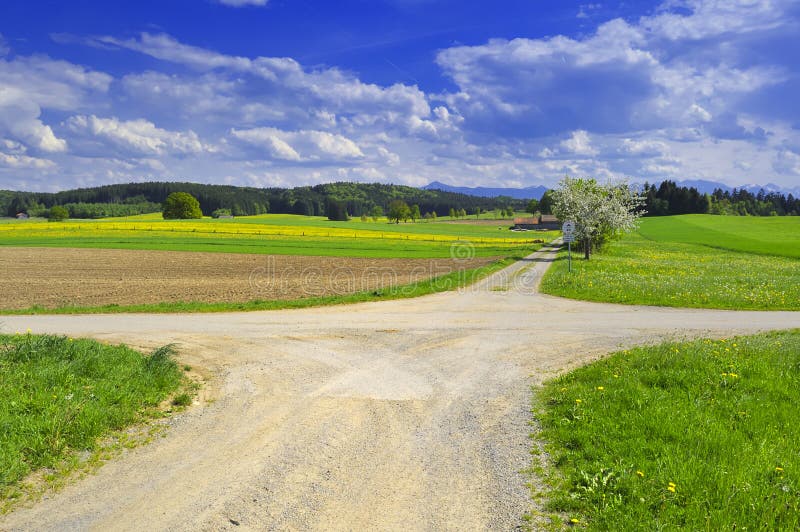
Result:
x=625 y=76
x=579 y=144
x=135 y=137
x=19 y=118
x=302 y=145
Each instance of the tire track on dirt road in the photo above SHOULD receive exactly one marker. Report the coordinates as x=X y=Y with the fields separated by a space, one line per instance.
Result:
x=403 y=415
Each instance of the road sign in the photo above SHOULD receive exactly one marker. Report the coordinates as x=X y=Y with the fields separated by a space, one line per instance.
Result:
x=568 y=231
x=568 y=234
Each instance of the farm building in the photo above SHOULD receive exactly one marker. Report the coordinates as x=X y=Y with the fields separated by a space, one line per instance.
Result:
x=549 y=221
x=22 y=216
x=544 y=221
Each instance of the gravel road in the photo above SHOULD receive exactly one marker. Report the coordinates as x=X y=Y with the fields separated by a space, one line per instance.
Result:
x=399 y=415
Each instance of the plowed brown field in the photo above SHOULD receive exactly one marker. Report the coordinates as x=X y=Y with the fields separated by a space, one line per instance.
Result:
x=53 y=277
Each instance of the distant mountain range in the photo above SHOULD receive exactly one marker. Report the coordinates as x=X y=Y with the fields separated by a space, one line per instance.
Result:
x=536 y=192
x=489 y=192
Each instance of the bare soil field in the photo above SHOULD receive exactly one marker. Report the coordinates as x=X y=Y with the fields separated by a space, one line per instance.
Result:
x=53 y=277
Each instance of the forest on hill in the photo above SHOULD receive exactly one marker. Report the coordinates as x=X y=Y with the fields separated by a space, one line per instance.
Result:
x=138 y=198
x=358 y=199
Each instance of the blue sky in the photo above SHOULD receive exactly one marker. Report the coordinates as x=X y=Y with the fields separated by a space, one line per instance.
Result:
x=294 y=92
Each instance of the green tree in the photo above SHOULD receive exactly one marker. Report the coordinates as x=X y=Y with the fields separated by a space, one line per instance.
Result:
x=337 y=211
x=181 y=206
x=376 y=213
x=532 y=206
x=220 y=212
x=57 y=213
x=452 y=213
x=399 y=210
x=546 y=203
x=415 y=215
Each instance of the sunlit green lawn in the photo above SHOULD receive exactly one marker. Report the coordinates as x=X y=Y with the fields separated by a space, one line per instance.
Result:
x=694 y=436
x=680 y=265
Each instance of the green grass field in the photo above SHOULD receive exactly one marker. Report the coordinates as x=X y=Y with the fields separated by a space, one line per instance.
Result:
x=59 y=397
x=778 y=236
x=691 y=261
x=275 y=234
x=693 y=436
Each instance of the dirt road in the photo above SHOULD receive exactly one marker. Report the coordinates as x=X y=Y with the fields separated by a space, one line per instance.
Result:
x=401 y=415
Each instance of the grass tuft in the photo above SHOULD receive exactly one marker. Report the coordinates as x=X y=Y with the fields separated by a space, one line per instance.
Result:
x=59 y=396
x=701 y=435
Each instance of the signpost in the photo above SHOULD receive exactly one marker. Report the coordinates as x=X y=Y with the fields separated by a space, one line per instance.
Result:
x=568 y=231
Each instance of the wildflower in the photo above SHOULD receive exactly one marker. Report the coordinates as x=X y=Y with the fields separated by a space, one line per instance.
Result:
x=28 y=331
x=574 y=520
x=779 y=470
x=671 y=484
x=600 y=388
x=616 y=376
x=641 y=475
x=671 y=489
x=578 y=401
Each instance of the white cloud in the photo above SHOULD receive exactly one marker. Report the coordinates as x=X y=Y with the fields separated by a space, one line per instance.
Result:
x=579 y=144
x=19 y=118
x=787 y=162
x=711 y=18
x=136 y=137
x=302 y=145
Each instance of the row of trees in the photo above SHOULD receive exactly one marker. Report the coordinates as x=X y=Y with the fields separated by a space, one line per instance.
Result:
x=669 y=198
x=356 y=199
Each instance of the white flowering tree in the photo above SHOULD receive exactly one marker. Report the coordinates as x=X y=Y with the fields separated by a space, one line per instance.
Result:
x=600 y=212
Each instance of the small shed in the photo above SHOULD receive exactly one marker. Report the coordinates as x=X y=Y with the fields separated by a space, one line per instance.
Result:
x=549 y=221
x=22 y=216
x=526 y=223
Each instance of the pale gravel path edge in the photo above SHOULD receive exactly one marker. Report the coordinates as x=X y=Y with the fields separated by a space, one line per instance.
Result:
x=404 y=415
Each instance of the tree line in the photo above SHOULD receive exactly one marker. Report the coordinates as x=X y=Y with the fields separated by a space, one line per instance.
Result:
x=346 y=199
x=669 y=198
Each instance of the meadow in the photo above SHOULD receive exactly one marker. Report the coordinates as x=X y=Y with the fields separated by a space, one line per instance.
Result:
x=699 y=261
x=695 y=436
x=277 y=234
x=59 y=396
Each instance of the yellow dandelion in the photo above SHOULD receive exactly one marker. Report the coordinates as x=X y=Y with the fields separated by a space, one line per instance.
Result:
x=574 y=521
x=671 y=489
x=600 y=388
x=640 y=474
x=578 y=401
x=28 y=331
x=779 y=470
x=616 y=376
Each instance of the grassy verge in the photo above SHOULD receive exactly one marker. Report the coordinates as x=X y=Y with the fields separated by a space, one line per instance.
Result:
x=702 y=435
x=636 y=270
x=442 y=283
x=59 y=397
